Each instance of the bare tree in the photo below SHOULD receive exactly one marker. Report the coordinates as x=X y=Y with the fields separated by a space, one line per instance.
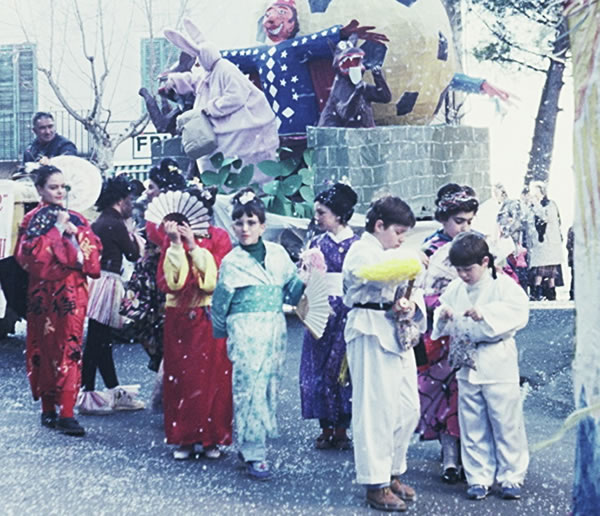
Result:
x=533 y=36
x=96 y=42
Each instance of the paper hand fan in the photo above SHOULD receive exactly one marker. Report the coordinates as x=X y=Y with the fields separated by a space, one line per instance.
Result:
x=83 y=179
x=311 y=259
x=313 y=309
x=45 y=219
x=180 y=207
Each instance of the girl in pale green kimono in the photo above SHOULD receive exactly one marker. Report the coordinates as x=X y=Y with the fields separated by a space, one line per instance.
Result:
x=255 y=279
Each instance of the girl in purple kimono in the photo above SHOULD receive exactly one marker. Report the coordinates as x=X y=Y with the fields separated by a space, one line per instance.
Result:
x=456 y=207
x=323 y=397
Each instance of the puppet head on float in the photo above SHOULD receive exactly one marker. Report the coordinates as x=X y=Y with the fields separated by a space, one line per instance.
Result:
x=280 y=21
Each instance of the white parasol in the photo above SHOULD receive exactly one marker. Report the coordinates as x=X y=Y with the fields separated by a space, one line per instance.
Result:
x=83 y=179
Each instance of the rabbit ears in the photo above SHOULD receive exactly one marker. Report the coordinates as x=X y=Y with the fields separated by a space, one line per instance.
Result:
x=188 y=45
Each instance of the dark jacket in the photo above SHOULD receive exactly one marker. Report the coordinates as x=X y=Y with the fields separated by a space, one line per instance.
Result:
x=58 y=146
x=116 y=241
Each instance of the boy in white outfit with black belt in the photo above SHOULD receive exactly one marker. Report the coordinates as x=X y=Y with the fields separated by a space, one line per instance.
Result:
x=385 y=400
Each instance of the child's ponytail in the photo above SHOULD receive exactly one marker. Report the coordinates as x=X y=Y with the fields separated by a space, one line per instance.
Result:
x=492 y=265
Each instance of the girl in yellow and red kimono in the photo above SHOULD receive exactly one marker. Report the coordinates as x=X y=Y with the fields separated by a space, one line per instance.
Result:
x=197 y=396
x=59 y=251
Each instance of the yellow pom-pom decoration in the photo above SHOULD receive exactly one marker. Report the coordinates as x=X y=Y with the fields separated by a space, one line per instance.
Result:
x=391 y=271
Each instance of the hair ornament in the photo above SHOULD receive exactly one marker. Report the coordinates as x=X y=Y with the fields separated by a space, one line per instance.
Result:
x=206 y=194
x=246 y=197
x=453 y=200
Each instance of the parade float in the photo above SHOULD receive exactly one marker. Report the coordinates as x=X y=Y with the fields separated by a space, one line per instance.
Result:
x=409 y=152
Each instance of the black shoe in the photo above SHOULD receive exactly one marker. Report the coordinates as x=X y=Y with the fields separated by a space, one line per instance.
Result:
x=49 y=419
x=537 y=293
x=450 y=476
x=69 y=426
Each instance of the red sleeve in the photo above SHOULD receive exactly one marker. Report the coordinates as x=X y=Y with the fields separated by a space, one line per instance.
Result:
x=220 y=244
x=50 y=256
x=91 y=248
x=53 y=256
x=161 y=282
x=155 y=233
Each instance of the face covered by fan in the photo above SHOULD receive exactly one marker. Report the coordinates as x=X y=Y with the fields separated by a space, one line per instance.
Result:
x=180 y=207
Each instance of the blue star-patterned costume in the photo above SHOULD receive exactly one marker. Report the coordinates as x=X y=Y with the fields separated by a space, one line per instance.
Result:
x=285 y=75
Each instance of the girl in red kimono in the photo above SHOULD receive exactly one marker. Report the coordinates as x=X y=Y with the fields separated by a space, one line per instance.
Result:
x=197 y=395
x=59 y=251
x=456 y=207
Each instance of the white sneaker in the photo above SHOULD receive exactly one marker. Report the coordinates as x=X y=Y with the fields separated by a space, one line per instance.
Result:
x=94 y=403
x=125 y=400
x=183 y=453
x=212 y=453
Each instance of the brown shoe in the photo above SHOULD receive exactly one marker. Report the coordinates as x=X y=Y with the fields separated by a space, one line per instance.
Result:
x=405 y=492
x=384 y=500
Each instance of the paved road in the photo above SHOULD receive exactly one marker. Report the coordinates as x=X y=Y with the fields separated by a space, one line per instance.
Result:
x=122 y=465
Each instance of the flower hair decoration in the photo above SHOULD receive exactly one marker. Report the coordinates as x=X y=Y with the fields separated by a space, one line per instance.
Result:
x=206 y=195
x=246 y=197
x=454 y=200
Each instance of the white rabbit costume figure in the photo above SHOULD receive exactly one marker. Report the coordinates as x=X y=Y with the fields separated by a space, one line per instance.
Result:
x=242 y=118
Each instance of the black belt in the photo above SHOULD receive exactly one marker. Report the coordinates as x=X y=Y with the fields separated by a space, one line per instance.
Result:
x=483 y=342
x=374 y=306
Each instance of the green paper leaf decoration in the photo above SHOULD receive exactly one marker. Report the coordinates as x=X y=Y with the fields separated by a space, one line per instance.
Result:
x=271 y=188
x=307 y=175
x=277 y=206
x=299 y=210
x=287 y=208
x=308 y=157
x=217 y=160
x=242 y=179
x=288 y=166
x=270 y=168
x=210 y=178
x=307 y=193
x=290 y=184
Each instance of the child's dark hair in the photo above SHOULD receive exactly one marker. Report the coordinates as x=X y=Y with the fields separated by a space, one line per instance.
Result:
x=43 y=173
x=207 y=196
x=390 y=210
x=453 y=199
x=114 y=189
x=246 y=202
x=470 y=248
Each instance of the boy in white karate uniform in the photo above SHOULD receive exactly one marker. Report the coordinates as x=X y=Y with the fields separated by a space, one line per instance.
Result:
x=482 y=312
x=385 y=400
